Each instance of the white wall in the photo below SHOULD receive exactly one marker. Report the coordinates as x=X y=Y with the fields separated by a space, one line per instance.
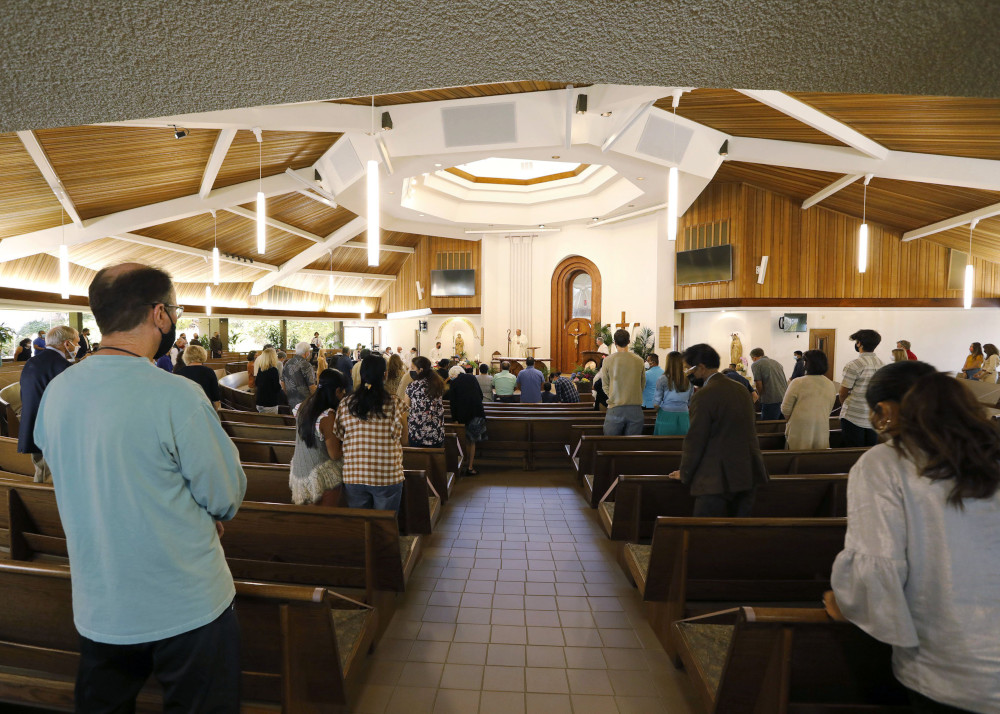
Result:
x=396 y=333
x=625 y=254
x=940 y=336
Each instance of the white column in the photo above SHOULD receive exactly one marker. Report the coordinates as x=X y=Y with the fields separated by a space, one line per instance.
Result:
x=520 y=287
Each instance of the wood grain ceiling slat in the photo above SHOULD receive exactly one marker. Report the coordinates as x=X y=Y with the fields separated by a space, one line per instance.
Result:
x=301 y=212
x=736 y=114
x=280 y=150
x=437 y=95
x=26 y=202
x=107 y=169
x=956 y=126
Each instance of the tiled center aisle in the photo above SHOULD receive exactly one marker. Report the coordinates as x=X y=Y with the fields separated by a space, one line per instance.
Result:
x=518 y=605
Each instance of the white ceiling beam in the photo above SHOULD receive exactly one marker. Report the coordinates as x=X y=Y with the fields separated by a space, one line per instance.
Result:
x=570 y=111
x=310 y=116
x=133 y=219
x=363 y=245
x=310 y=255
x=188 y=250
x=316 y=197
x=313 y=187
x=346 y=274
x=274 y=223
x=635 y=116
x=953 y=222
x=38 y=155
x=840 y=183
x=813 y=117
x=222 y=143
x=899 y=165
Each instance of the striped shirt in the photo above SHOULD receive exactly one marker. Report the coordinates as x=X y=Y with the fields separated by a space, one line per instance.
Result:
x=857 y=374
x=373 y=454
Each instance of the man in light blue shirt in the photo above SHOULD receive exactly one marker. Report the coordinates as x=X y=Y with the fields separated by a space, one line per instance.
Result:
x=529 y=381
x=653 y=372
x=141 y=492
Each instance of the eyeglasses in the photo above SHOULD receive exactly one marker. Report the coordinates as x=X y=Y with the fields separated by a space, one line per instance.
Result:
x=178 y=309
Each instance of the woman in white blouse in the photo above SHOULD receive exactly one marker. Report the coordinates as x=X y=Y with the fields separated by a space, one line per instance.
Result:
x=920 y=568
x=990 y=365
x=808 y=402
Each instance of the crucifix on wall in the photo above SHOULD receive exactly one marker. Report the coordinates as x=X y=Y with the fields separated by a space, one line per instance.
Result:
x=624 y=325
x=577 y=335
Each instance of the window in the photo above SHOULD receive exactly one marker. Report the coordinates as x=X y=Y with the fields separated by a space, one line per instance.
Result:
x=581 y=287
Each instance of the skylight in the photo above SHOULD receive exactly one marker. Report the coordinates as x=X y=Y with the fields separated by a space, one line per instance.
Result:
x=523 y=169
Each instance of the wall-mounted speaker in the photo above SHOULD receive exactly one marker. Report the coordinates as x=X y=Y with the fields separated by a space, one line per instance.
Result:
x=762 y=270
x=494 y=123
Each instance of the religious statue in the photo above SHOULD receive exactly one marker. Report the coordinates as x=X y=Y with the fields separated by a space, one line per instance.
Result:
x=459 y=344
x=520 y=345
x=735 y=350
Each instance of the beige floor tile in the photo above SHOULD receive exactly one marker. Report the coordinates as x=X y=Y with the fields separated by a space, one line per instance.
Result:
x=372 y=699
x=443 y=632
x=589 y=681
x=402 y=629
x=542 y=618
x=502 y=703
x=448 y=599
x=625 y=658
x=477 y=599
x=619 y=638
x=582 y=637
x=546 y=636
x=593 y=704
x=506 y=679
x=508 y=617
x=506 y=655
x=508 y=602
x=539 y=656
x=428 y=651
x=390 y=648
x=509 y=635
x=472 y=633
x=437 y=613
x=548 y=704
x=467 y=653
x=383 y=672
x=644 y=705
x=456 y=701
x=584 y=658
x=633 y=683
x=462 y=676
x=473 y=616
x=420 y=674
x=412 y=700
x=547 y=680
x=575 y=618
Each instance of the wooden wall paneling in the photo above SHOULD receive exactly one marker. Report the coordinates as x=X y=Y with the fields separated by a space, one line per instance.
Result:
x=403 y=294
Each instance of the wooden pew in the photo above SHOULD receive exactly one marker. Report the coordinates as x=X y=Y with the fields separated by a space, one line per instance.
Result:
x=640 y=499
x=259 y=432
x=10 y=405
x=695 y=564
x=301 y=648
x=353 y=550
x=256 y=417
x=608 y=465
x=12 y=461
x=755 y=659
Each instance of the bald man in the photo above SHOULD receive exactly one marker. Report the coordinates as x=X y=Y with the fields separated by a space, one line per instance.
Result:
x=142 y=490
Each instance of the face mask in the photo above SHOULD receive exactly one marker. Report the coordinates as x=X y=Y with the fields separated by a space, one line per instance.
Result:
x=696 y=381
x=856 y=347
x=167 y=340
x=70 y=352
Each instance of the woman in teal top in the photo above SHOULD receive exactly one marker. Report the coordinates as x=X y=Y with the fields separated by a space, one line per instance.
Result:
x=671 y=398
x=653 y=373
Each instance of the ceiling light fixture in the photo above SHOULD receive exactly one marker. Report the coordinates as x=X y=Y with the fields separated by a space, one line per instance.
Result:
x=208 y=300
x=178 y=132
x=970 y=272
x=63 y=256
x=438 y=165
x=556 y=156
x=640 y=178
x=373 y=204
x=386 y=122
x=724 y=149
x=330 y=286
x=605 y=114
x=672 y=177
x=863 y=231
x=215 y=250
x=261 y=208
x=581 y=104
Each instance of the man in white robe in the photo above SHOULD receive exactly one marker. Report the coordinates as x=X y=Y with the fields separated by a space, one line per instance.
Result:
x=519 y=345
x=436 y=354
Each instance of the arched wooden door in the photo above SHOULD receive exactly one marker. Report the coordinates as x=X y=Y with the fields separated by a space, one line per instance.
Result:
x=573 y=321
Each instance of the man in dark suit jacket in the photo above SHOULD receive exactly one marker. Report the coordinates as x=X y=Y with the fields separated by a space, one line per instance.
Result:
x=61 y=345
x=84 y=343
x=721 y=461
x=344 y=364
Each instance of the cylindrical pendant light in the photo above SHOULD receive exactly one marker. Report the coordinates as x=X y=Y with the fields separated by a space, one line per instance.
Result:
x=208 y=300
x=373 y=214
x=970 y=272
x=863 y=248
x=672 y=204
x=64 y=271
x=215 y=250
x=261 y=208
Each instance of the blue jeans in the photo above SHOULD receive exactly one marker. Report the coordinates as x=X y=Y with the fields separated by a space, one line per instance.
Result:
x=625 y=420
x=380 y=498
x=770 y=412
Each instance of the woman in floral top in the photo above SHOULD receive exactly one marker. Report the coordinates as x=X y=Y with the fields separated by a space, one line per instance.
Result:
x=426 y=424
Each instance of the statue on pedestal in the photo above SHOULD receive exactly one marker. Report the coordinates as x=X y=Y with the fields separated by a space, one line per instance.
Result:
x=459 y=344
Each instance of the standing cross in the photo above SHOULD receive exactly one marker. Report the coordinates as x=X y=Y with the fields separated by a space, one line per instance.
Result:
x=623 y=325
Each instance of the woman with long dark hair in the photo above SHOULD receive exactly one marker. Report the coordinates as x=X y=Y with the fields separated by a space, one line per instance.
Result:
x=920 y=568
x=370 y=426
x=426 y=420
x=317 y=464
x=974 y=362
x=394 y=372
x=807 y=404
x=671 y=398
x=991 y=364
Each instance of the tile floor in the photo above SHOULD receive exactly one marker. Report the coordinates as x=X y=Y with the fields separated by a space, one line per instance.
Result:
x=518 y=605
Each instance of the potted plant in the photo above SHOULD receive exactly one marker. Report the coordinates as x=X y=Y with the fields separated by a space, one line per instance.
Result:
x=644 y=342
x=7 y=335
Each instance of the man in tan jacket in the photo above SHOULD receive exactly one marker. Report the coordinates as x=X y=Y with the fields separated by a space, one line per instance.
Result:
x=624 y=377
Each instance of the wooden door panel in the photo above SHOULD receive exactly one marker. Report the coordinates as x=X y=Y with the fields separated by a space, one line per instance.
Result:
x=826 y=342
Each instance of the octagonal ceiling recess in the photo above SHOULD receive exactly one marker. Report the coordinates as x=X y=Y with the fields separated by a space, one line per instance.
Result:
x=497 y=170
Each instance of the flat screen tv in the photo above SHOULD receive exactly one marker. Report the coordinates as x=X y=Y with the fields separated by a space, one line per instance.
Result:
x=705 y=265
x=793 y=322
x=453 y=283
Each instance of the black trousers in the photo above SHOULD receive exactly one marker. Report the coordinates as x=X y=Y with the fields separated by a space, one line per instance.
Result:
x=198 y=670
x=724 y=505
x=852 y=435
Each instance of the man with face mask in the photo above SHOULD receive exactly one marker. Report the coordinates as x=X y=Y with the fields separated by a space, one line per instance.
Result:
x=61 y=345
x=141 y=493
x=855 y=428
x=721 y=460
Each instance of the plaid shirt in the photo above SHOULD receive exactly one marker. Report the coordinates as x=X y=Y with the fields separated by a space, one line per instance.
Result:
x=565 y=390
x=373 y=454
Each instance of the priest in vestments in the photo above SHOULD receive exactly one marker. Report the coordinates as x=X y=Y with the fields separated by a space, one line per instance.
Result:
x=519 y=345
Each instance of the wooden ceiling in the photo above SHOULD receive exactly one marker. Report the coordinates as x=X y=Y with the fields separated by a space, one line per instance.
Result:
x=26 y=203
x=437 y=95
x=355 y=260
x=736 y=114
x=279 y=150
